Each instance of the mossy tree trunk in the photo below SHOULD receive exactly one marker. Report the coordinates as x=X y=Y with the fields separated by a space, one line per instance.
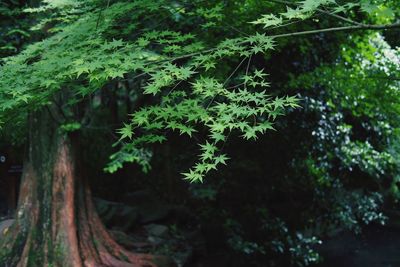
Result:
x=56 y=223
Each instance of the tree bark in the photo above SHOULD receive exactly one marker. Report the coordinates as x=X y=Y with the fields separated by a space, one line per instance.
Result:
x=56 y=223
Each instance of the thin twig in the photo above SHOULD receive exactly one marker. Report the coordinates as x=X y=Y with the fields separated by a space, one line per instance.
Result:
x=333 y=29
x=322 y=11
x=337 y=29
x=227 y=79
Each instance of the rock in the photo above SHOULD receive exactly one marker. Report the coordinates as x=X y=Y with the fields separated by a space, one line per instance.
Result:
x=153 y=212
x=143 y=208
x=140 y=198
x=183 y=215
x=4 y=225
x=157 y=230
x=117 y=215
x=129 y=242
x=156 y=241
x=149 y=206
x=123 y=239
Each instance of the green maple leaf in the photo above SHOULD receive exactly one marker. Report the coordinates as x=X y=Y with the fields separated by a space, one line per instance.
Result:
x=193 y=176
x=218 y=127
x=250 y=133
x=81 y=69
x=221 y=159
x=201 y=168
x=217 y=137
x=151 y=88
x=187 y=130
x=208 y=147
x=126 y=131
x=115 y=73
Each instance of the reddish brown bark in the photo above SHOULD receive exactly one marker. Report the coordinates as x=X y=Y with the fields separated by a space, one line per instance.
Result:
x=56 y=223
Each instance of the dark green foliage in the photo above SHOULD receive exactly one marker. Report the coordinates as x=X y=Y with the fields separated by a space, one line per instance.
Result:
x=320 y=114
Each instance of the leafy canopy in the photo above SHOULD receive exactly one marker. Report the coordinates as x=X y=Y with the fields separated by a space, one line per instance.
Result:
x=177 y=63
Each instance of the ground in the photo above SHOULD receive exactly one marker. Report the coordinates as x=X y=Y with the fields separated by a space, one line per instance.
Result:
x=376 y=246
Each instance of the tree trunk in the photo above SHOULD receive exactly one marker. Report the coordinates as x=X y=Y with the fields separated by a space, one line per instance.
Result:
x=56 y=223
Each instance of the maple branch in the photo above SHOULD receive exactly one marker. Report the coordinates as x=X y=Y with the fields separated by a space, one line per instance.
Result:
x=344 y=28
x=334 y=29
x=321 y=11
x=340 y=17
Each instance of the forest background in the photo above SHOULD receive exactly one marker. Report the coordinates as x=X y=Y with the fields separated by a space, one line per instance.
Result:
x=217 y=133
